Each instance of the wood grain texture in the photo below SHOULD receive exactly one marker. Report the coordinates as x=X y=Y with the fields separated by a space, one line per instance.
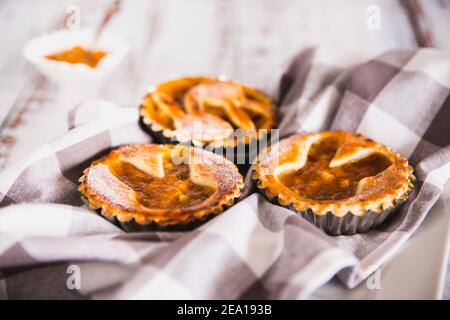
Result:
x=17 y=75
x=246 y=40
x=437 y=16
x=38 y=114
x=419 y=23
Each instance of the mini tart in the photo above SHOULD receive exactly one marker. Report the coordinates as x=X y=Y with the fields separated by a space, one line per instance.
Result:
x=141 y=187
x=207 y=111
x=342 y=182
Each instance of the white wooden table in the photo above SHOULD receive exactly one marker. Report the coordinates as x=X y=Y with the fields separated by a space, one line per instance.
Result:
x=246 y=40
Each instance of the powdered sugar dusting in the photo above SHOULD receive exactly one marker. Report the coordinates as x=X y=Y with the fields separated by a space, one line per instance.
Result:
x=104 y=183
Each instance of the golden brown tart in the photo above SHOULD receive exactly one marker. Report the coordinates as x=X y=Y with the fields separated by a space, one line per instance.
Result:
x=340 y=181
x=207 y=111
x=143 y=186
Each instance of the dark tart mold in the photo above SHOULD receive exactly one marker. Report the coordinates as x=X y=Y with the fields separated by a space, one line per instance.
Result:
x=340 y=181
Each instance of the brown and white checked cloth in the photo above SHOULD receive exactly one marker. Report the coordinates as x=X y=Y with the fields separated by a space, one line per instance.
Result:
x=255 y=249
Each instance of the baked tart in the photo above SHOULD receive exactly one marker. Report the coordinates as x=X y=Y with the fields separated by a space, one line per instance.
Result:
x=206 y=111
x=160 y=187
x=342 y=182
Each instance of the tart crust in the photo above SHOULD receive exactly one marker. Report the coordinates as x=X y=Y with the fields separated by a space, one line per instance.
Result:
x=173 y=109
x=374 y=194
x=103 y=189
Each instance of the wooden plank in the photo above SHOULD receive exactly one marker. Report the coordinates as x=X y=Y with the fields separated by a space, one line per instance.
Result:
x=437 y=16
x=418 y=22
x=246 y=40
x=273 y=31
x=139 y=24
x=16 y=73
x=41 y=109
x=194 y=38
x=20 y=83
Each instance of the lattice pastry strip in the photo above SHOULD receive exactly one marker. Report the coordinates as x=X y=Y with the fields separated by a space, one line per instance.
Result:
x=217 y=107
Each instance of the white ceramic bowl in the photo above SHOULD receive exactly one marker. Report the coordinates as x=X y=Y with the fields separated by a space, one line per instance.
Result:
x=64 y=72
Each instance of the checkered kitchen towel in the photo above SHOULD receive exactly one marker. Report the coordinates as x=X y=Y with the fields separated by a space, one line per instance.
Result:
x=253 y=250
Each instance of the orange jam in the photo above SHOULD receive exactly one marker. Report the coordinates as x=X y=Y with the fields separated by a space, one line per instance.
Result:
x=175 y=190
x=78 y=55
x=316 y=180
